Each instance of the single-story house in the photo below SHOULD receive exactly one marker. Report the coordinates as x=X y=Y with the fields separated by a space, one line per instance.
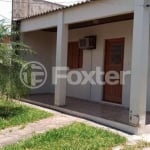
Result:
x=120 y=29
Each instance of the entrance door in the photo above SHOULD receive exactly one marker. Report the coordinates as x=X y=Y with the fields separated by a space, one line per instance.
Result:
x=114 y=55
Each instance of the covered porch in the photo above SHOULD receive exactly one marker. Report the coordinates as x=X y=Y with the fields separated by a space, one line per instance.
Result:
x=111 y=115
x=134 y=118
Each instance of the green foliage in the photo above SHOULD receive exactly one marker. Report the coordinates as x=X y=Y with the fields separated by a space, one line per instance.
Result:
x=12 y=114
x=77 y=136
x=11 y=62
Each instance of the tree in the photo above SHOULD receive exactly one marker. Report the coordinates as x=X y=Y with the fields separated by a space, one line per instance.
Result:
x=12 y=51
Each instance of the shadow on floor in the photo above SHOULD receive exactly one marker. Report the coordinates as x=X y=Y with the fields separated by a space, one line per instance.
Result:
x=106 y=111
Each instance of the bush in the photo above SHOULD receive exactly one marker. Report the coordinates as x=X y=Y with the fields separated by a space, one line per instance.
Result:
x=11 y=61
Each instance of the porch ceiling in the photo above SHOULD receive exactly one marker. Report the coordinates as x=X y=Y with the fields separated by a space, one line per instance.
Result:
x=102 y=21
x=118 y=18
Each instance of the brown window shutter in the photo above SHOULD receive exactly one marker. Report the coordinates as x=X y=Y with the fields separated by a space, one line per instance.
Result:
x=69 y=56
x=80 y=64
x=75 y=56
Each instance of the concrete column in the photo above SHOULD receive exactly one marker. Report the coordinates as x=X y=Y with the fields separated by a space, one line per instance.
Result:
x=61 y=59
x=140 y=56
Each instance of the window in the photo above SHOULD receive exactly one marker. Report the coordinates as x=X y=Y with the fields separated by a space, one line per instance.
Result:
x=116 y=54
x=75 y=56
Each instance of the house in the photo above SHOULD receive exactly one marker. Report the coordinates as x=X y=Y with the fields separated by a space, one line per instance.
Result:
x=122 y=32
x=25 y=8
x=6 y=40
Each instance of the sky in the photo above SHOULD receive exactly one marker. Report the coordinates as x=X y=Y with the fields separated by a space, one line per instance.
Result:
x=6 y=7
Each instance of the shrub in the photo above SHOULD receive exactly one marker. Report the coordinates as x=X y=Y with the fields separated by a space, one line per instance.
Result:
x=12 y=53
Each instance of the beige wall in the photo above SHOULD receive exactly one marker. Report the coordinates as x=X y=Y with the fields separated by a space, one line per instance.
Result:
x=96 y=57
x=148 y=94
x=44 y=43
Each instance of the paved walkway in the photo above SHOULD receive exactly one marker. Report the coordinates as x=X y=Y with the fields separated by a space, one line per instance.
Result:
x=15 y=134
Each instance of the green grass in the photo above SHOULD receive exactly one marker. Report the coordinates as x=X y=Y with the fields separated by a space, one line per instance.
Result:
x=12 y=114
x=74 y=137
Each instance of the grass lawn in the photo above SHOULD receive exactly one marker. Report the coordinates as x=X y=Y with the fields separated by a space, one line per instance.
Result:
x=74 y=137
x=12 y=114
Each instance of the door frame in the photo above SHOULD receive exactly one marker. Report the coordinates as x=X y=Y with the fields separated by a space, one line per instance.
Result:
x=105 y=46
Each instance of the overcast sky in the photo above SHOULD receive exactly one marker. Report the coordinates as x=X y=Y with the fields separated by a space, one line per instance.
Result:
x=5 y=6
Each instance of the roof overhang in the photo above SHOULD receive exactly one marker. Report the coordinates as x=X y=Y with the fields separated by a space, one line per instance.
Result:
x=89 y=11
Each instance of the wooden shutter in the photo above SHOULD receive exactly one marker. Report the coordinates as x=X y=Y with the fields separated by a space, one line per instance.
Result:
x=75 y=56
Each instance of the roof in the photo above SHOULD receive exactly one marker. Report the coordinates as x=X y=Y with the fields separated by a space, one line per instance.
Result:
x=45 y=1
x=35 y=7
x=58 y=9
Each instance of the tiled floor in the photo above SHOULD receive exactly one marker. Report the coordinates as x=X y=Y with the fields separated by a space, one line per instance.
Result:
x=106 y=111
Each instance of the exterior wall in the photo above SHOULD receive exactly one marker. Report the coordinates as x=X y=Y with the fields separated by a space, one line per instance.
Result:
x=26 y=8
x=95 y=58
x=148 y=93
x=6 y=40
x=100 y=9
x=44 y=45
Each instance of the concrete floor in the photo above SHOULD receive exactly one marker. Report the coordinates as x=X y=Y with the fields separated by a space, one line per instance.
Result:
x=106 y=111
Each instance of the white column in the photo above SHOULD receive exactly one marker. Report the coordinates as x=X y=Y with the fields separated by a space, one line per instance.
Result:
x=140 y=56
x=61 y=59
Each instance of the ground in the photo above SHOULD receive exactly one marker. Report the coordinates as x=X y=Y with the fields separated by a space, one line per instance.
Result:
x=139 y=146
x=36 y=128
x=76 y=136
x=12 y=113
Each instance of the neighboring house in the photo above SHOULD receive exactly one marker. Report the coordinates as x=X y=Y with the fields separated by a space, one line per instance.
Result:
x=122 y=31
x=6 y=40
x=26 y=8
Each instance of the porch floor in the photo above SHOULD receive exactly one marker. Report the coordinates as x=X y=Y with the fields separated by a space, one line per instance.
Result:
x=105 y=111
